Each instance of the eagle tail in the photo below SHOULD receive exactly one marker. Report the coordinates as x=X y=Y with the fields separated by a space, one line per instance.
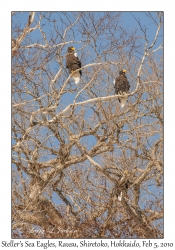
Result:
x=123 y=101
x=76 y=77
x=120 y=196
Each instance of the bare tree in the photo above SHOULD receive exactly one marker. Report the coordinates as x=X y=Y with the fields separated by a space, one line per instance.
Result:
x=83 y=167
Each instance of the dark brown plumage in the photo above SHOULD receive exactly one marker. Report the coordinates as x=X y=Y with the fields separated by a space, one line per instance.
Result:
x=73 y=63
x=64 y=152
x=122 y=191
x=121 y=85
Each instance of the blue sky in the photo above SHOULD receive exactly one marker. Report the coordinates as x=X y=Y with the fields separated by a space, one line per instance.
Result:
x=126 y=21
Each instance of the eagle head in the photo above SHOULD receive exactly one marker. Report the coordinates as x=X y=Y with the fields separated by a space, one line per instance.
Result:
x=123 y=71
x=70 y=49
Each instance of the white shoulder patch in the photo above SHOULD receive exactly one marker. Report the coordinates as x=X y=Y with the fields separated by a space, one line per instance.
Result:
x=75 y=54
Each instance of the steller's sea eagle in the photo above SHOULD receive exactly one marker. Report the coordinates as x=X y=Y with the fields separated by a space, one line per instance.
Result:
x=73 y=63
x=122 y=86
x=124 y=183
x=123 y=191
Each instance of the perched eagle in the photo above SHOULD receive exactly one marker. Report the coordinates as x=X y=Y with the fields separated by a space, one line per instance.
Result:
x=73 y=63
x=121 y=189
x=122 y=86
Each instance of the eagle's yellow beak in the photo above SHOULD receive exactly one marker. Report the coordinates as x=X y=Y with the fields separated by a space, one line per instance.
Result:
x=124 y=70
x=73 y=48
x=126 y=172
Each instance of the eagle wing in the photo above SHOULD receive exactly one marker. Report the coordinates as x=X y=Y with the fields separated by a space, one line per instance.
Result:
x=77 y=61
x=73 y=62
x=121 y=84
